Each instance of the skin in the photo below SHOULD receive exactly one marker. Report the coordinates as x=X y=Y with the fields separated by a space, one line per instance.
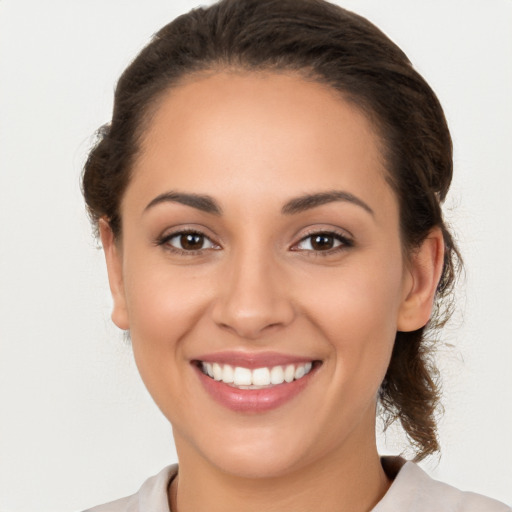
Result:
x=253 y=142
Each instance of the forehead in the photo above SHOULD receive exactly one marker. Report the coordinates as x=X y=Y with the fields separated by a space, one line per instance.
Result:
x=256 y=131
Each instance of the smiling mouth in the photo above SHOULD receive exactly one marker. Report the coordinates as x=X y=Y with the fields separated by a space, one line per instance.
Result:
x=258 y=378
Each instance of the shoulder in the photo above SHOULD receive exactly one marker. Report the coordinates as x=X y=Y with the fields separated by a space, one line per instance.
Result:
x=150 y=497
x=414 y=491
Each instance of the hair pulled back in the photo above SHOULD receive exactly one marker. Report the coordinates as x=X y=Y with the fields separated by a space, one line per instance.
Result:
x=326 y=43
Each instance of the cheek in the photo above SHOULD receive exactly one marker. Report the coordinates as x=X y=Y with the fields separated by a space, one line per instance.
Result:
x=164 y=306
x=363 y=297
x=357 y=313
x=162 y=300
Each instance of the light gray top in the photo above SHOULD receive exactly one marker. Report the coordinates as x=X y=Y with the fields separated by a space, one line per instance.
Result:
x=411 y=491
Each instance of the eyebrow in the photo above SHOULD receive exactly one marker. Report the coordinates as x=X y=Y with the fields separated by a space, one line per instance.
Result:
x=309 y=201
x=204 y=203
x=296 y=205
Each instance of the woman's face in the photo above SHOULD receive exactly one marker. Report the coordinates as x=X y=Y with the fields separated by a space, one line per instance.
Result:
x=260 y=242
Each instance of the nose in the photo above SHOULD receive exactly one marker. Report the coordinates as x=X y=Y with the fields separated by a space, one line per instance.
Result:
x=253 y=297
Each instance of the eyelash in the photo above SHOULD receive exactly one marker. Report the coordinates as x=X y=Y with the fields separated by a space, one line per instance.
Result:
x=164 y=241
x=344 y=243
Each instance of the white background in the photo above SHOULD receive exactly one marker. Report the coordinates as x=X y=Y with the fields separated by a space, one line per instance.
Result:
x=76 y=426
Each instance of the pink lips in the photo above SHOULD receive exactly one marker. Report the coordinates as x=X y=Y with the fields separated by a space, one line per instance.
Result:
x=252 y=400
x=254 y=360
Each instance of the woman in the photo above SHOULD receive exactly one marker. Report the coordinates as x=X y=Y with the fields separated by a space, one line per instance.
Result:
x=268 y=196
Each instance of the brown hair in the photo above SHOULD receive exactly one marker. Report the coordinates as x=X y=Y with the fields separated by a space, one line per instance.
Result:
x=328 y=44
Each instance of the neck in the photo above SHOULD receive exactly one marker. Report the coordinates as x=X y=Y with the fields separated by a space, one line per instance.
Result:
x=343 y=480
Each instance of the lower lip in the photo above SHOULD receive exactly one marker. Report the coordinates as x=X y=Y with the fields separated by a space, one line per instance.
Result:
x=253 y=400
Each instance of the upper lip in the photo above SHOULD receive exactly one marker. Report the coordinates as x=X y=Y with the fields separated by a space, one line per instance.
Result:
x=253 y=360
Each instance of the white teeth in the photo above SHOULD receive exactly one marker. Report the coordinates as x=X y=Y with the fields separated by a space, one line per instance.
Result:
x=261 y=377
x=242 y=376
x=277 y=375
x=299 y=372
x=228 y=375
x=257 y=378
x=217 y=371
x=289 y=373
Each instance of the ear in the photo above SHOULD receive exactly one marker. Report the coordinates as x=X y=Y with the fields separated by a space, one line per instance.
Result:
x=113 y=258
x=424 y=269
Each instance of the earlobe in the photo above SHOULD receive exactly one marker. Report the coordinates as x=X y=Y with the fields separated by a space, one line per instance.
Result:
x=115 y=274
x=425 y=268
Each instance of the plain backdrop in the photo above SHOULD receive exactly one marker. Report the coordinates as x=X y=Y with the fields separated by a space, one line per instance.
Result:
x=77 y=428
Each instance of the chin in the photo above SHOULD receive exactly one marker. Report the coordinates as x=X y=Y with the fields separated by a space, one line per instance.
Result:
x=252 y=465
x=261 y=452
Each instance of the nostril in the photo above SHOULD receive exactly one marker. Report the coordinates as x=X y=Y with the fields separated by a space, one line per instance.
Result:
x=251 y=307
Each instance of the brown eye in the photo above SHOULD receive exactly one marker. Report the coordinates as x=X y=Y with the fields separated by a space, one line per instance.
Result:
x=188 y=241
x=323 y=242
x=191 y=241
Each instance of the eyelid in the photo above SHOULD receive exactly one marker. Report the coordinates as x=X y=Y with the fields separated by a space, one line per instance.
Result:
x=340 y=235
x=179 y=235
x=163 y=240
